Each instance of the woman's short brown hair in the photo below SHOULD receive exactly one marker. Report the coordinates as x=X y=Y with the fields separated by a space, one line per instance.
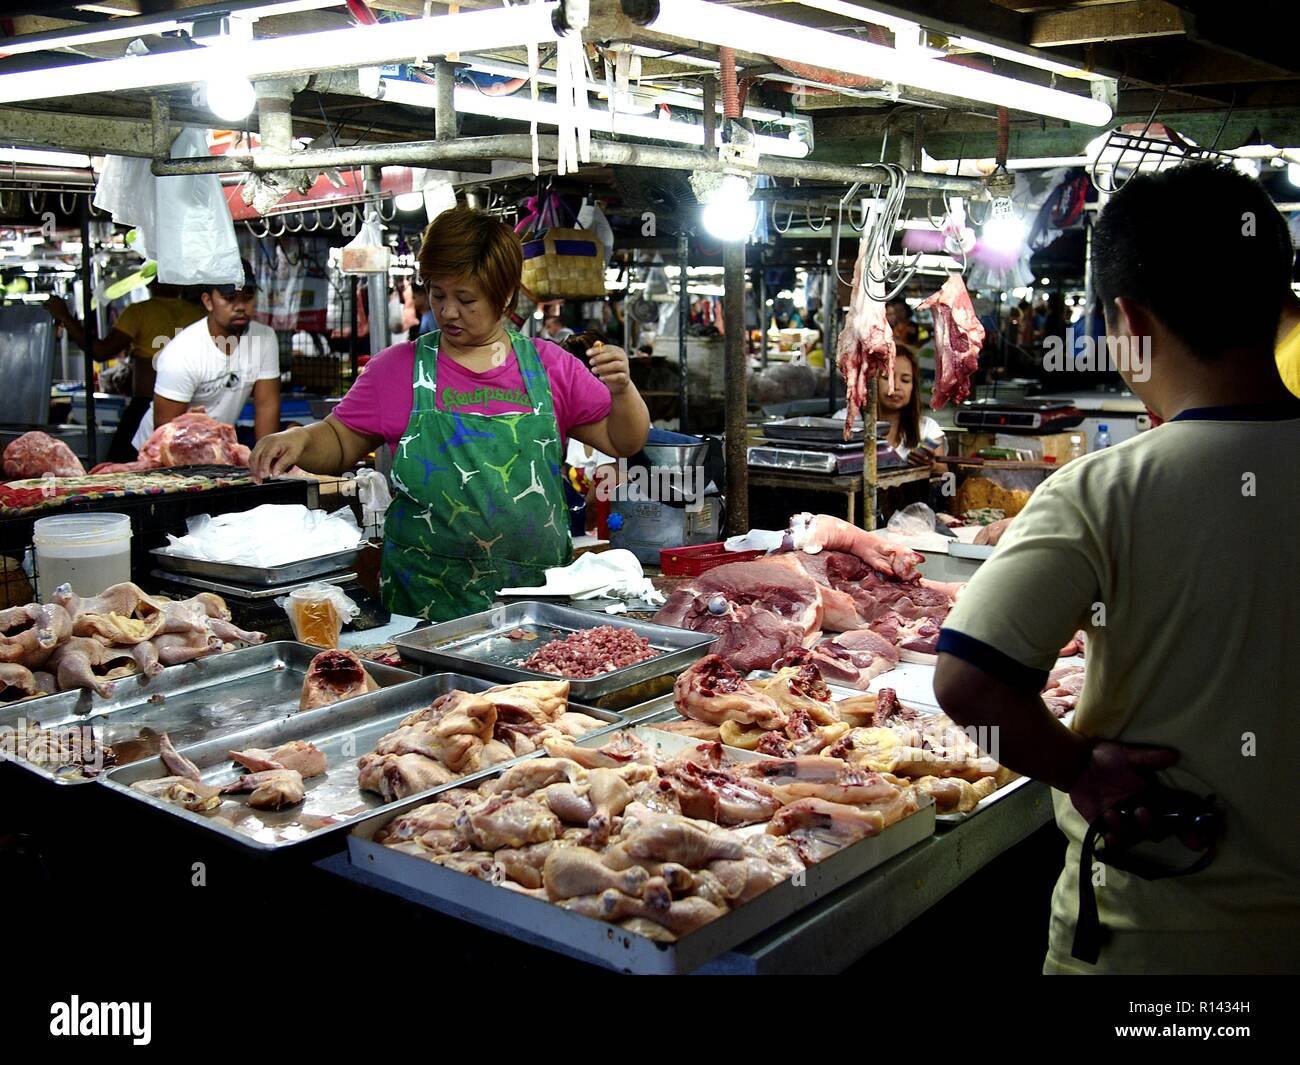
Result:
x=465 y=243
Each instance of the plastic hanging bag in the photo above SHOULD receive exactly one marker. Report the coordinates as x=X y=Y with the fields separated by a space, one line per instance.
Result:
x=366 y=253
x=183 y=222
x=913 y=520
x=318 y=613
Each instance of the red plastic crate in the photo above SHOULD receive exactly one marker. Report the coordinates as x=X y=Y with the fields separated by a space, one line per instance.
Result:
x=692 y=561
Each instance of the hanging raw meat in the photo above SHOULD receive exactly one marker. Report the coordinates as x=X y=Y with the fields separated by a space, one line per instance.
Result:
x=866 y=344
x=958 y=337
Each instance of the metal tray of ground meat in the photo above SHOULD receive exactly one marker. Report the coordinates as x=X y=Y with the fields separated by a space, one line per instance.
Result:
x=219 y=696
x=334 y=801
x=546 y=925
x=265 y=576
x=480 y=645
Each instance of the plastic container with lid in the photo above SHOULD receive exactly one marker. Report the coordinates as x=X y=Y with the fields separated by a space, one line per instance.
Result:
x=89 y=551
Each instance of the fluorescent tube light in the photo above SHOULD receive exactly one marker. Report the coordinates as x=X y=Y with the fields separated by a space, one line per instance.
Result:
x=303 y=53
x=523 y=109
x=697 y=20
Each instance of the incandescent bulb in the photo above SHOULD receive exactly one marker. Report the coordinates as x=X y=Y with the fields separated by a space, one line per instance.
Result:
x=729 y=219
x=409 y=201
x=230 y=96
x=1004 y=233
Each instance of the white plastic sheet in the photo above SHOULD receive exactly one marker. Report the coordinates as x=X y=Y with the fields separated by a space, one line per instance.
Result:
x=184 y=222
x=617 y=574
x=269 y=535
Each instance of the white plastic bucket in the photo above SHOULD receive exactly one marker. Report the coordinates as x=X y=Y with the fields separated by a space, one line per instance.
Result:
x=89 y=551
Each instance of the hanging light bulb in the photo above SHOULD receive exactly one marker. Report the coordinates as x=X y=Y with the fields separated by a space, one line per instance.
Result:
x=729 y=213
x=409 y=201
x=230 y=96
x=1003 y=233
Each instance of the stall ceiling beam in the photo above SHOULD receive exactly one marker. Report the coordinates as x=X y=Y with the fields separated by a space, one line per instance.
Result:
x=78 y=133
x=519 y=146
x=1111 y=22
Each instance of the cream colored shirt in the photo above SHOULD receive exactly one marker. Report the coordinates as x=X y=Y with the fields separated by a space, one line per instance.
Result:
x=1187 y=535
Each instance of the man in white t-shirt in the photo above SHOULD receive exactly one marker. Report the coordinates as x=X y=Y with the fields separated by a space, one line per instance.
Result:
x=217 y=363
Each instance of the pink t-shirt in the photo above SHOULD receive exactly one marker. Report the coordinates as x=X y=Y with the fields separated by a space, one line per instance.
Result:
x=379 y=401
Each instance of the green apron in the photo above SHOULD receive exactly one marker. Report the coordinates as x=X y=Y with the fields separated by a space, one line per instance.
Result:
x=478 y=503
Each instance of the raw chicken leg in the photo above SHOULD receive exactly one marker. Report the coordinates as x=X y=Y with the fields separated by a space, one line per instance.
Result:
x=184 y=786
x=173 y=649
x=75 y=662
x=17 y=682
x=30 y=634
x=571 y=871
x=683 y=916
x=675 y=839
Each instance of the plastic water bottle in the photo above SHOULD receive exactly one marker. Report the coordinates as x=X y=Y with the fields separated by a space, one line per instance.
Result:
x=1102 y=439
x=1076 y=447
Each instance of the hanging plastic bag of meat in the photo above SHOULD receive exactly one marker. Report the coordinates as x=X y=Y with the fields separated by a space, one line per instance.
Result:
x=866 y=344
x=958 y=337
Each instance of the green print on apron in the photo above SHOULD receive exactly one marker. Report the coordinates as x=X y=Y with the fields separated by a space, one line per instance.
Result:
x=477 y=504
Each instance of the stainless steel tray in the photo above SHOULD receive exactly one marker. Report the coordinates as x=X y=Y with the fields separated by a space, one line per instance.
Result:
x=236 y=591
x=478 y=645
x=550 y=926
x=263 y=575
x=220 y=696
x=334 y=801
x=809 y=428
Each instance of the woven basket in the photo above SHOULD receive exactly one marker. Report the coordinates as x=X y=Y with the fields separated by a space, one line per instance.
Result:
x=565 y=264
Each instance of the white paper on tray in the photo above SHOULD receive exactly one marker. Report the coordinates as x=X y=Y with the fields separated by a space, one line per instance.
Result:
x=270 y=535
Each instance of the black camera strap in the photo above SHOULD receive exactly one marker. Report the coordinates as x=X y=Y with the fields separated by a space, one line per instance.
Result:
x=1203 y=814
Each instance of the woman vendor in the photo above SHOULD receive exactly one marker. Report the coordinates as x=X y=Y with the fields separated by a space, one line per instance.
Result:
x=478 y=418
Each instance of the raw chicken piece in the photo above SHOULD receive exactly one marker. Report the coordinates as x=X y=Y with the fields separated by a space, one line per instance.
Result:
x=332 y=677
x=712 y=692
x=29 y=635
x=958 y=337
x=697 y=730
x=540 y=702
x=528 y=777
x=818 y=777
x=676 y=839
x=38 y=454
x=866 y=344
x=619 y=751
x=126 y=600
x=719 y=796
x=834 y=822
x=176 y=762
x=434 y=824
x=452 y=730
x=679 y=918
x=174 y=649
x=80 y=662
x=504 y=821
x=18 y=682
x=272 y=789
x=181 y=790
x=399 y=776
x=800 y=687
x=306 y=758
x=572 y=871
x=184 y=786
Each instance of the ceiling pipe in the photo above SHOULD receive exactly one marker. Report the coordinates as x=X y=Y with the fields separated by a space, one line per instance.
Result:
x=518 y=146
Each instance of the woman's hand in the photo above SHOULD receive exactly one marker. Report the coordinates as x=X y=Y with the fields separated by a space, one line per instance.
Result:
x=276 y=453
x=609 y=363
